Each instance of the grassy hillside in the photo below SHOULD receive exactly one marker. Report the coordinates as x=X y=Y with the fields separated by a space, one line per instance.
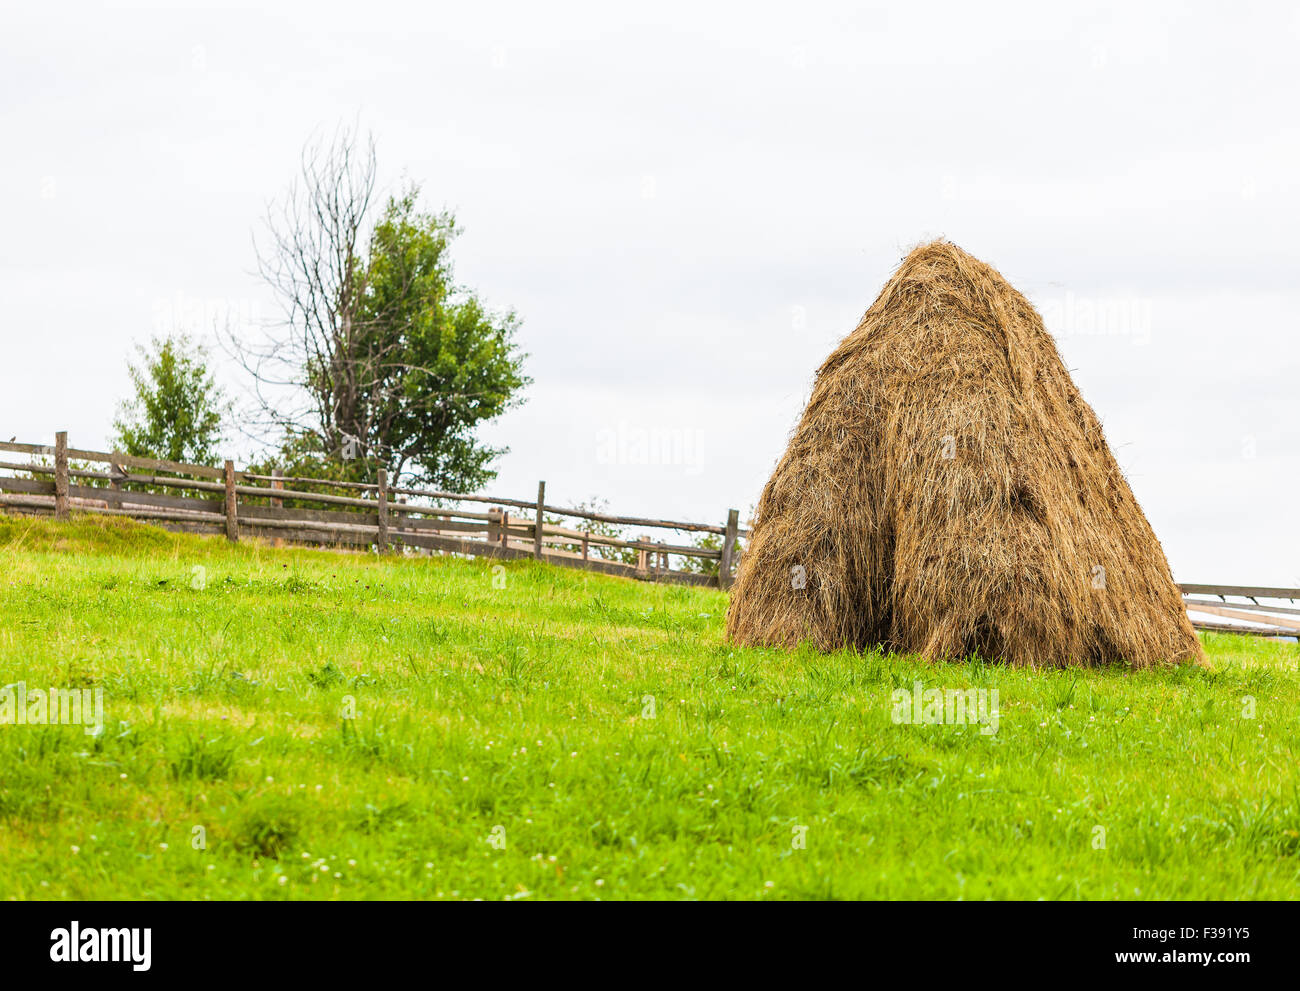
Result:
x=575 y=736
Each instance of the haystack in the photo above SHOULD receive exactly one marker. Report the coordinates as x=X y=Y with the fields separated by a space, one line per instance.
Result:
x=949 y=493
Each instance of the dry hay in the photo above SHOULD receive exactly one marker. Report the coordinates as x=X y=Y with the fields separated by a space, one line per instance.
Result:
x=949 y=493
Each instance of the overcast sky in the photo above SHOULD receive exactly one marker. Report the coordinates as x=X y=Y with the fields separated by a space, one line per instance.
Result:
x=689 y=205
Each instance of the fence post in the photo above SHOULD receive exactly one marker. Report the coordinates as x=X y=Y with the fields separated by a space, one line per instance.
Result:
x=383 y=510
x=728 y=549
x=585 y=535
x=642 y=556
x=494 y=525
x=232 y=513
x=61 y=475
x=505 y=527
x=277 y=474
x=115 y=483
x=537 y=533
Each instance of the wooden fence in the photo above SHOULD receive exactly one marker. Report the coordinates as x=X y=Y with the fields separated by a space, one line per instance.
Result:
x=223 y=500
x=202 y=499
x=1259 y=619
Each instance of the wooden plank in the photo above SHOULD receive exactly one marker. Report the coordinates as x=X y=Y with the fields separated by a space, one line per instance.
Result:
x=321 y=497
x=251 y=491
x=254 y=512
x=41 y=449
x=541 y=523
x=28 y=501
x=369 y=531
x=61 y=475
x=476 y=548
x=635 y=520
x=163 y=500
x=157 y=464
x=1249 y=606
x=1283 y=621
x=455 y=526
x=279 y=495
x=47 y=469
x=30 y=485
x=278 y=475
x=307 y=534
x=1252 y=631
x=154 y=514
x=481 y=548
x=169 y=482
x=563 y=511
x=1247 y=591
x=382 y=500
x=728 y=549
x=152 y=499
x=170 y=526
x=644 y=544
x=232 y=504
x=156 y=500
x=255 y=492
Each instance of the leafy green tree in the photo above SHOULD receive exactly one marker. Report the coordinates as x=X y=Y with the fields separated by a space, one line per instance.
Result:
x=388 y=361
x=177 y=410
x=437 y=362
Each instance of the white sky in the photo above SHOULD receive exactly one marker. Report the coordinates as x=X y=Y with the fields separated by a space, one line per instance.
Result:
x=689 y=204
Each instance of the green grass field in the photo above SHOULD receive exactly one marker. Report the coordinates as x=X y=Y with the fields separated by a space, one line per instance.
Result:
x=306 y=724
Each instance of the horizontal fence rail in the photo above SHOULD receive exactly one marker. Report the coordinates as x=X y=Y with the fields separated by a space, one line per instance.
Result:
x=1258 y=619
x=378 y=515
x=205 y=499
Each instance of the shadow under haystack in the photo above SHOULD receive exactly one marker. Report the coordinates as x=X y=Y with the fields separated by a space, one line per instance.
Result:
x=949 y=493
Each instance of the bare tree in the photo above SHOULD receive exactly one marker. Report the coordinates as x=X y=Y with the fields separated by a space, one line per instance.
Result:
x=308 y=375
